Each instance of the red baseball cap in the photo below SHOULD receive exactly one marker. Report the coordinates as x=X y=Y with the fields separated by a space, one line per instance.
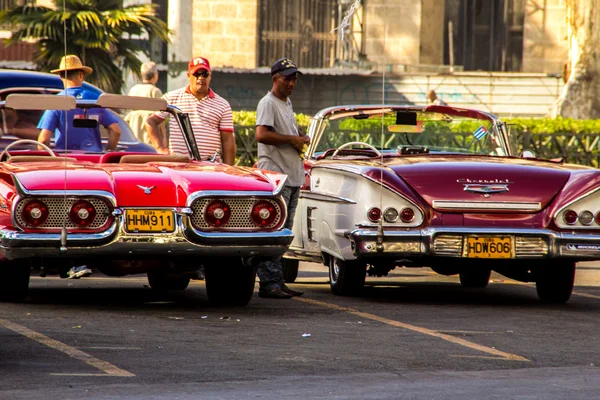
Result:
x=198 y=63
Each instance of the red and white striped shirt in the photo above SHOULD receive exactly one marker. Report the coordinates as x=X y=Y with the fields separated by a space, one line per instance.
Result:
x=208 y=117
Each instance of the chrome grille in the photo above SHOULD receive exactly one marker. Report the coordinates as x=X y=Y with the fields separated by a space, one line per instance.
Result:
x=448 y=245
x=240 y=213
x=58 y=212
x=530 y=246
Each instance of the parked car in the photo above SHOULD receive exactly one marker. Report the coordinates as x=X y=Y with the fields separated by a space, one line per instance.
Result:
x=440 y=187
x=20 y=124
x=127 y=212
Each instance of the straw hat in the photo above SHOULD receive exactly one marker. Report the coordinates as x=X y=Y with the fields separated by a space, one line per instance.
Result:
x=70 y=63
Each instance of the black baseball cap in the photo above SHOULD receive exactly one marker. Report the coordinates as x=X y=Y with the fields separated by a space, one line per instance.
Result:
x=285 y=67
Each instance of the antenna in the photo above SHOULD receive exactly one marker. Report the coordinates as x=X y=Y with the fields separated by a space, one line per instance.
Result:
x=379 y=241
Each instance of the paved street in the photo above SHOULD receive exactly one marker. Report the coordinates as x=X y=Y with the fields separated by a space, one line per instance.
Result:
x=413 y=335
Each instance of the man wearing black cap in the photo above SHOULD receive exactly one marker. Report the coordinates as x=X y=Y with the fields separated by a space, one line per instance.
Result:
x=280 y=144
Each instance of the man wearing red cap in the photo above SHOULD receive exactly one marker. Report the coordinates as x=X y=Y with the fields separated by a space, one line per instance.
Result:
x=210 y=117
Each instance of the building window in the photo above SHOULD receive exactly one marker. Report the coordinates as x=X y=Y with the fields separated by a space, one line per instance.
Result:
x=299 y=29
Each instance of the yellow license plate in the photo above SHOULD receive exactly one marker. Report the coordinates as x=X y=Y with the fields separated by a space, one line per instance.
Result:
x=489 y=247
x=149 y=221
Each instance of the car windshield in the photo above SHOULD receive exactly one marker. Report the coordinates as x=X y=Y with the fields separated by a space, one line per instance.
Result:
x=409 y=132
x=22 y=122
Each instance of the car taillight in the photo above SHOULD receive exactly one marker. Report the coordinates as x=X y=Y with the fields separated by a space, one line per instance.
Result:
x=407 y=215
x=82 y=213
x=35 y=213
x=374 y=214
x=264 y=214
x=586 y=217
x=570 y=217
x=217 y=213
x=390 y=214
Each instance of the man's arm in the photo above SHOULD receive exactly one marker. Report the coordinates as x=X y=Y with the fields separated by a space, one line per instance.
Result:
x=229 y=148
x=266 y=135
x=45 y=136
x=114 y=134
x=159 y=142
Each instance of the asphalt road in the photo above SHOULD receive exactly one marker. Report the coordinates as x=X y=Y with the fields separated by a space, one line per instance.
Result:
x=413 y=335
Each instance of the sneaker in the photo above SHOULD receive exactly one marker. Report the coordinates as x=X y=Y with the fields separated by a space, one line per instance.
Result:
x=292 y=292
x=79 y=272
x=274 y=294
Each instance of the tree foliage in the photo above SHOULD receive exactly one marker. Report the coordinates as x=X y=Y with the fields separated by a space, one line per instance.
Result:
x=580 y=97
x=101 y=32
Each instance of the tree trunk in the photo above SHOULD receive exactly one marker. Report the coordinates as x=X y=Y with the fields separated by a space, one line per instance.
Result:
x=580 y=98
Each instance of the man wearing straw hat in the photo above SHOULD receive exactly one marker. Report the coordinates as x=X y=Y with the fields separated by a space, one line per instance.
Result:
x=73 y=72
x=60 y=124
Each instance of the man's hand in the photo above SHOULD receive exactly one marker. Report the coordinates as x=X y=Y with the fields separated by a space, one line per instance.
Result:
x=299 y=142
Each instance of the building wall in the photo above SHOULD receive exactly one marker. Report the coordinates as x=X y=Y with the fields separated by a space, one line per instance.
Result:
x=432 y=32
x=392 y=30
x=225 y=32
x=545 y=45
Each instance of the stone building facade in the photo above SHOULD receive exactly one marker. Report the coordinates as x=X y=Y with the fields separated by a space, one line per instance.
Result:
x=390 y=35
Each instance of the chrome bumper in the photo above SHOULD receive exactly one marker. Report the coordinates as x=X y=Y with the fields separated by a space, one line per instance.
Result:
x=449 y=242
x=115 y=242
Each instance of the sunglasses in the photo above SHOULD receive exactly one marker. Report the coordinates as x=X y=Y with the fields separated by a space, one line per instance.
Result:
x=203 y=74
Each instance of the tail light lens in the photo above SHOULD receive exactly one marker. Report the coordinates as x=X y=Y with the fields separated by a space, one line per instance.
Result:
x=264 y=214
x=82 y=213
x=374 y=214
x=217 y=213
x=586 y=218
x=407 y=215
x=570 y=217
x=35 y=213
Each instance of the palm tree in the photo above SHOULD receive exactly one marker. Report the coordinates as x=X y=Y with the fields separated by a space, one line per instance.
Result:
x=101 y=32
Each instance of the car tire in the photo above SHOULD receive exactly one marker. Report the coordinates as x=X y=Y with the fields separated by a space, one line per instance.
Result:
x=14 y=282
x=290 y=269
x=160 y=280
x=555 y=282
x=346 y=278
x=230 y=282
x=475 y=278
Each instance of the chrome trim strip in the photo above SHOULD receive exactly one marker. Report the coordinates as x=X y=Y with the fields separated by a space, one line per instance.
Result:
x=307 y=194
x=485 y=205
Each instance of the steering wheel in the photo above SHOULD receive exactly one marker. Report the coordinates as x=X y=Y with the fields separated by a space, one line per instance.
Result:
x=349 y=144
x=6 y=154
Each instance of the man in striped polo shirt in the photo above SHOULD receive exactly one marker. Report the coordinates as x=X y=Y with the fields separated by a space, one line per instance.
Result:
x=210 y=117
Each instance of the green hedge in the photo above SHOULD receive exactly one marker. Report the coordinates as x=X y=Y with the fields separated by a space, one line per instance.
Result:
x=532 y=125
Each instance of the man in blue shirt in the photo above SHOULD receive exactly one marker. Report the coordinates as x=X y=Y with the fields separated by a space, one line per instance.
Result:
x=60 y=123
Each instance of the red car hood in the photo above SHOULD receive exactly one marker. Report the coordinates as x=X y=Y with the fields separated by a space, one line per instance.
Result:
x=469 y=180
x=168 y=184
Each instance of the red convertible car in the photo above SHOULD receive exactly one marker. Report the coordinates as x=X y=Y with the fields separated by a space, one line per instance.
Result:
x=439 y=187
x=124 y=213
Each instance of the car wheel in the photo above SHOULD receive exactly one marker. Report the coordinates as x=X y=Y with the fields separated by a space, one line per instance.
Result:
x=14 y=282
x=230 y=282
x=160 y=280
x=555 y=282
x=346 y=278
x=290 y=269
x=475 y=278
